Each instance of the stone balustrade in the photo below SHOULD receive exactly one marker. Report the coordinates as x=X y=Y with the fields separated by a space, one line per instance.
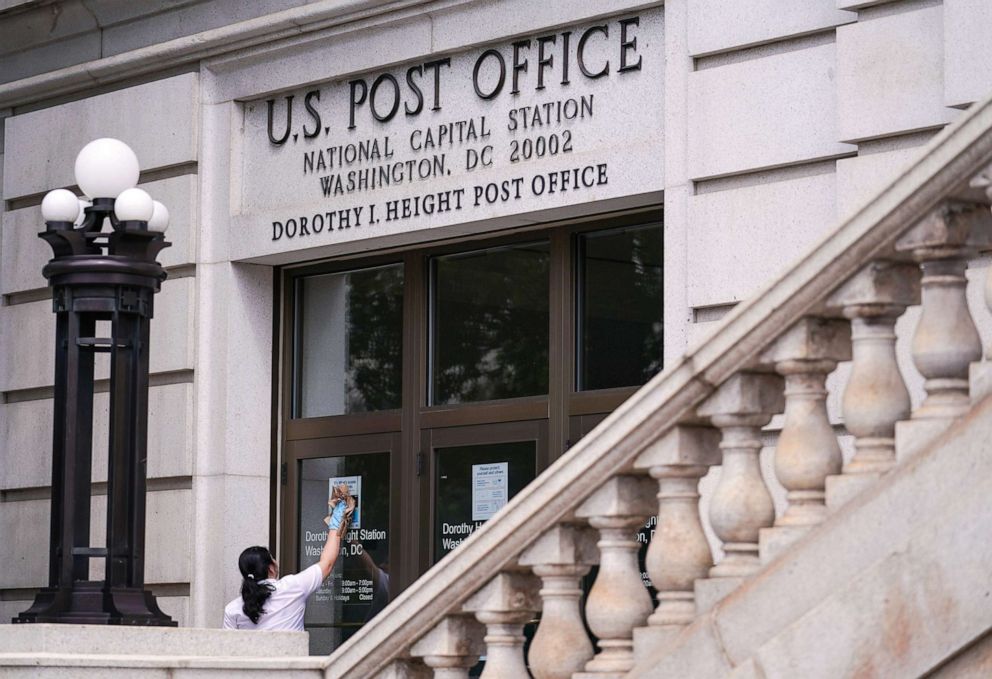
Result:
x=711 y=412
x=856 y=323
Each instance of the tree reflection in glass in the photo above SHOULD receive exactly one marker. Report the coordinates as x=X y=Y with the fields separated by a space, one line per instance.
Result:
x=490 y=324
x=620 y=306
x=350 y=342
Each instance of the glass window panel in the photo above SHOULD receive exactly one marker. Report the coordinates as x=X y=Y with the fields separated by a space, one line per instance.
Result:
x=349 y=342
x=473 y=483
x=620 y=306
x=358 y=587
x=490 y=324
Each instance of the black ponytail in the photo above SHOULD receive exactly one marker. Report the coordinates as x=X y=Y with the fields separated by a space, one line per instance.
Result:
x=254 y=566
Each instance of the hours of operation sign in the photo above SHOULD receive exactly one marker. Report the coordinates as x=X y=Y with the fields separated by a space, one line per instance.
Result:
x=547 y=120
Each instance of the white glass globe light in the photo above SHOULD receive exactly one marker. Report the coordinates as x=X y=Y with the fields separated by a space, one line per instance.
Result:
x=160 y=217
x=106 y=167
x=134 y=205
x=60 y=205
x=83 y=204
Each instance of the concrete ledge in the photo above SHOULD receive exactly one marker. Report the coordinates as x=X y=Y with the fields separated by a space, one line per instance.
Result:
x=74 y=641
x=58 y=666
x=109 y=661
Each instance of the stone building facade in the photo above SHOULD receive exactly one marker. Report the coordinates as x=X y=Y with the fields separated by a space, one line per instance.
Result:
x=747 y=128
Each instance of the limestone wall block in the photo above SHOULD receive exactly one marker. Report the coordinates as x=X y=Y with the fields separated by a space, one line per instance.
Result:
x=26 y=453
x=890 y=76
x=719 y=25
x=750 y=233
x=180 y=196
x=176 y=607
x=860 y=178
x=24 y=527
x=229 y=512
x=766 y=112
x=26 y=429
x=159 y=120
x=168 y=536
x=28 y=332
x=10 y=609
x=24 y=253
x=967 y=51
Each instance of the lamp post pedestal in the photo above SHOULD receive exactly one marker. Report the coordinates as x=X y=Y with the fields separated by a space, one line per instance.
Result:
x=103 y=288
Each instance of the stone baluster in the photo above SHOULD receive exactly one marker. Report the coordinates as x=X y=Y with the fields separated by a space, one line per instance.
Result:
x=946 y=339
x=981 y=373
x=678 y=553
x=984 y=182
x=560 y=557
x=876 y=396
x=618 y=601
x=451 y=647
x=504 y=605
x=807 y=451
x=741 y=504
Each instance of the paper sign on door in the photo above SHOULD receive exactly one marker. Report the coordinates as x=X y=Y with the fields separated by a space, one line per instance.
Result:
x=489 y=489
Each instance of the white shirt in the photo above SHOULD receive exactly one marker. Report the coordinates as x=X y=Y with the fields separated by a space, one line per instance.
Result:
x=284 y=608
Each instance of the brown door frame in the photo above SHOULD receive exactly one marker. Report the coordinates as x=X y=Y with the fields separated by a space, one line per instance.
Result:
x=562 y=412
x=470 y=435
x=339 y=446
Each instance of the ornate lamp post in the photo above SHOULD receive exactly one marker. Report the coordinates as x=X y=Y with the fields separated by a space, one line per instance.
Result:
x=101 y=279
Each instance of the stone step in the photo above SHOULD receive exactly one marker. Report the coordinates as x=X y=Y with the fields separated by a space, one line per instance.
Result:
x=150 y=641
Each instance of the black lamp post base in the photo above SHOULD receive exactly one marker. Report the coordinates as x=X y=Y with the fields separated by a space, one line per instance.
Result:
x=89 y=603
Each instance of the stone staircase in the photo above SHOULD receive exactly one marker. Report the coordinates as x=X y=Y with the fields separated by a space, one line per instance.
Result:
x=878 y=567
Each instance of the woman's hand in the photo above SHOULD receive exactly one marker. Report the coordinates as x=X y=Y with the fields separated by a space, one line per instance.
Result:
x=342 y=506
x=337 y=516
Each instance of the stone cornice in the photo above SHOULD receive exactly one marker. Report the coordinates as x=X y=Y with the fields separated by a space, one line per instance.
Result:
x=192 y=48
x=220 y=45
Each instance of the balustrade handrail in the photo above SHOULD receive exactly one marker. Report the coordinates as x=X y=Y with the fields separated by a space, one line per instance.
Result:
x=947 y=164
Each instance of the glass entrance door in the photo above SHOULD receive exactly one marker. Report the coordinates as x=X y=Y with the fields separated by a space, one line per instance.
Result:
x=474 y=471
x=439 y=381
x=361 y=583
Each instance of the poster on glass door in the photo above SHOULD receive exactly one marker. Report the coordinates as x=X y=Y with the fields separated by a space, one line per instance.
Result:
x=490 y=490
x=354 y=484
